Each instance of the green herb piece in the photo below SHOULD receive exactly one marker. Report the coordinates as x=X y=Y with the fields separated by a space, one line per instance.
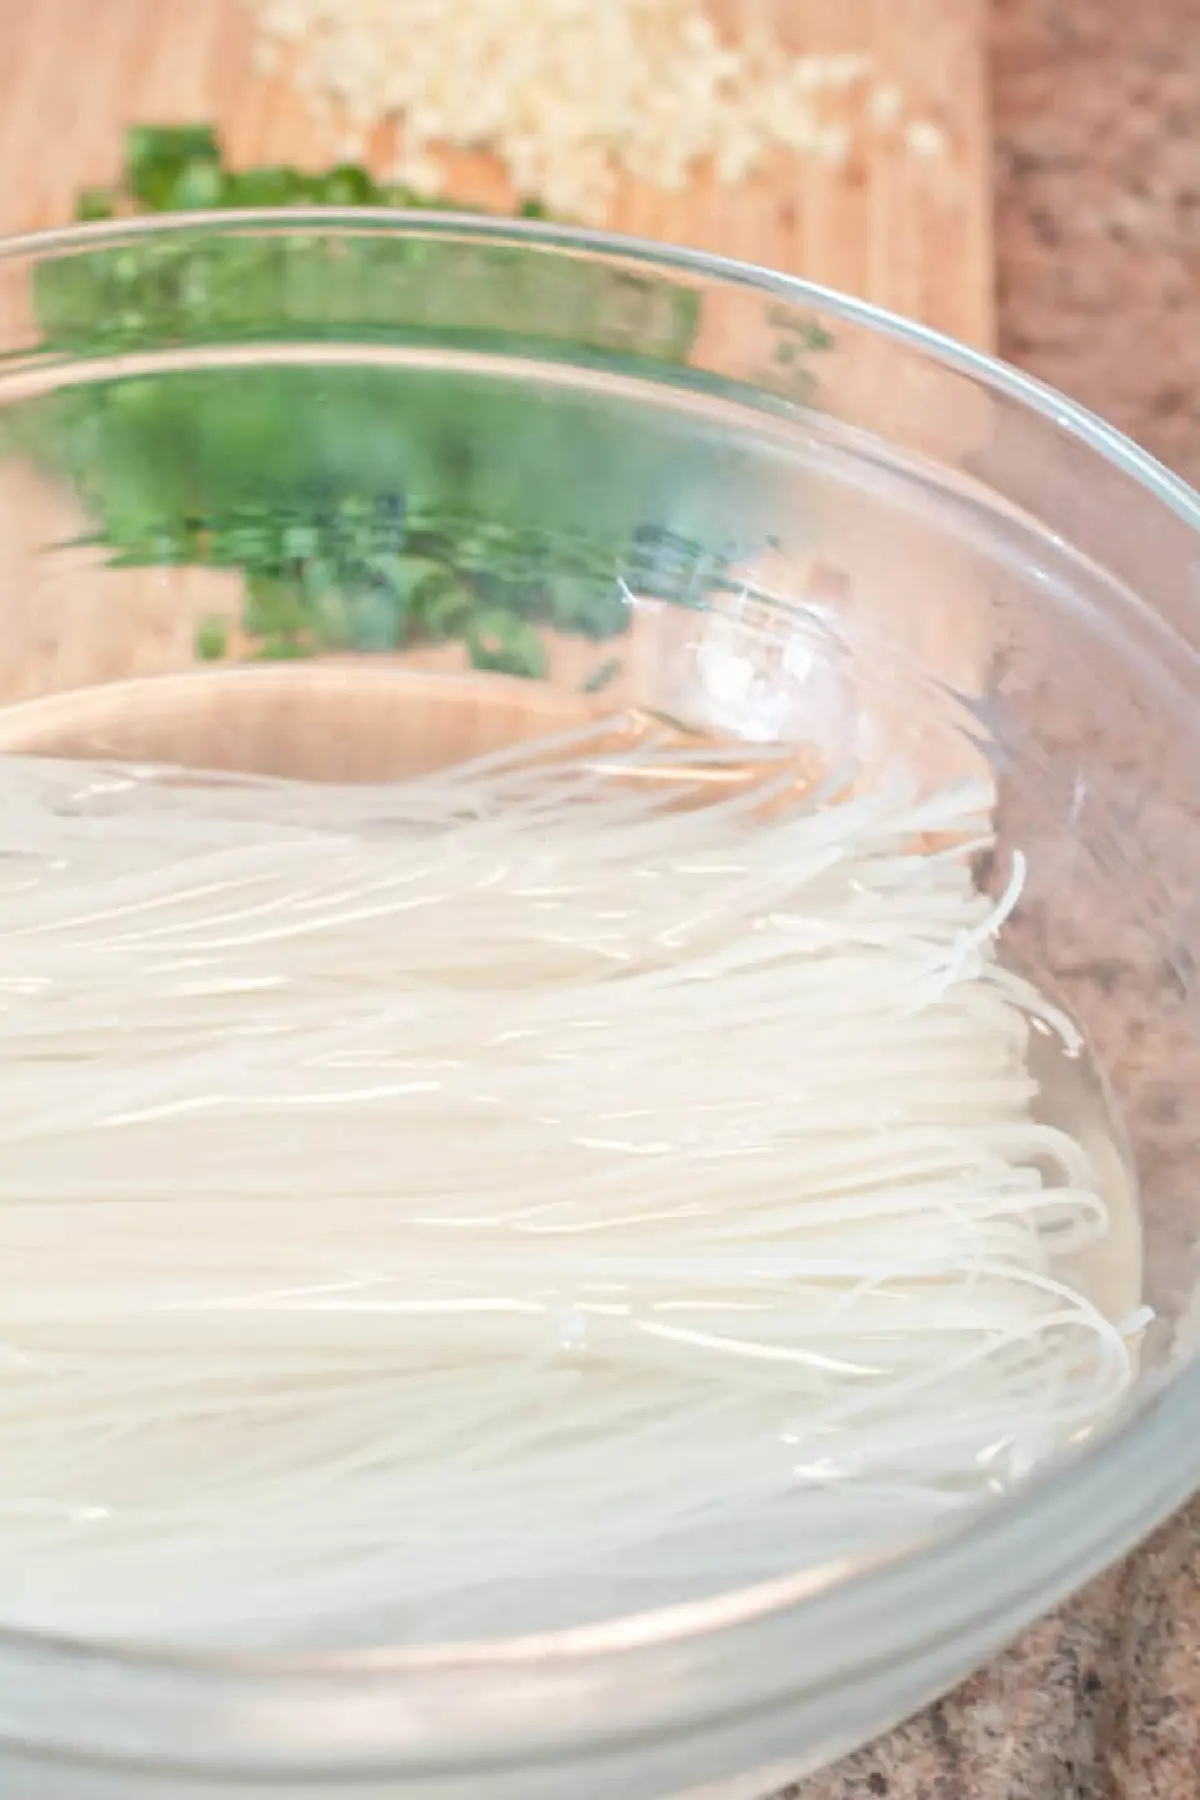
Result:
x=212 y=640
x=95 y=203
x=268 y=187
x=157 y=156
x=577 y=604
x=443 y=606
x=502 y=642
x=348 y=185
x=275 y=608
x=198 y=186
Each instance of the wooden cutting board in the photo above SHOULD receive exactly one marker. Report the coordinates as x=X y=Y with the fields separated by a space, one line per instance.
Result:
x=909 y=231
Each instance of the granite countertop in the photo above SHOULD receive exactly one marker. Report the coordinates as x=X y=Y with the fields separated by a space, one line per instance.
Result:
x=1097 y=129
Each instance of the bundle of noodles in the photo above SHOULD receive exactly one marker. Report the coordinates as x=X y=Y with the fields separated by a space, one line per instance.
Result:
x=599 y=1173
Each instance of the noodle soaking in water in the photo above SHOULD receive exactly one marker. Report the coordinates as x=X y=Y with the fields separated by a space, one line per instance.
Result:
x=591 y=1176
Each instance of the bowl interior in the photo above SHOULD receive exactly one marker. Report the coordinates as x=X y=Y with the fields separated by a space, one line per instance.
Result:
x=350 y=555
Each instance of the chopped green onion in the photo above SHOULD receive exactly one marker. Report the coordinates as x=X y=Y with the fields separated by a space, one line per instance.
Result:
x=95 y=203
x=212 y=640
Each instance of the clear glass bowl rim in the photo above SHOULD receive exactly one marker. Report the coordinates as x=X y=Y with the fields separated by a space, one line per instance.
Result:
x=943 y=1603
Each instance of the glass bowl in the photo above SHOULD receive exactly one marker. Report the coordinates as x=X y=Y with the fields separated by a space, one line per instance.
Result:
x=350 y=494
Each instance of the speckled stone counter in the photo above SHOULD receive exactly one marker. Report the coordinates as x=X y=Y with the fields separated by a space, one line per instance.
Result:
x=1100 y=1702
x=1097 y=125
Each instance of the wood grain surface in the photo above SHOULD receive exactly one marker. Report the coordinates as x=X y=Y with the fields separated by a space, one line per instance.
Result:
x=908 y=231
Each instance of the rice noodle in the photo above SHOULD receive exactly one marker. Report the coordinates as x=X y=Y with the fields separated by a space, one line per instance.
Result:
x=604 y=1169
